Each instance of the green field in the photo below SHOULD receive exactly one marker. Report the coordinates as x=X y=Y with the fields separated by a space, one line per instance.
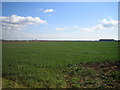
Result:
x=60 y=65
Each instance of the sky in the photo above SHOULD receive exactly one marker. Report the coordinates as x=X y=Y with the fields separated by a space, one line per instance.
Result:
x=59 y=20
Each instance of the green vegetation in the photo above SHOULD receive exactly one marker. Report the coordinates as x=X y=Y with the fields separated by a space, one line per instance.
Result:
x=60 y=65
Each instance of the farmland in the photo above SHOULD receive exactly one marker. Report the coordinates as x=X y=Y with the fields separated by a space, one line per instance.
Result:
x=60 y=65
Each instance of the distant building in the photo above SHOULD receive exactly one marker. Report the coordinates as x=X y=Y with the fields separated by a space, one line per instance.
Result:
x=106 y=40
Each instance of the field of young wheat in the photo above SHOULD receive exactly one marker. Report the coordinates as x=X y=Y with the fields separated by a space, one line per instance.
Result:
x=60 y=65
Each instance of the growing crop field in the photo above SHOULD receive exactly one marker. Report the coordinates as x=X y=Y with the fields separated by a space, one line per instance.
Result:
x=60 y=65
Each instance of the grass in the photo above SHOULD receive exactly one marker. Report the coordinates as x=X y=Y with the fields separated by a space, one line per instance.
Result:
x=59 y=64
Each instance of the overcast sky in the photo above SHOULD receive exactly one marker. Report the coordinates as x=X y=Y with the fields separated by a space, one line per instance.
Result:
x=59 y=20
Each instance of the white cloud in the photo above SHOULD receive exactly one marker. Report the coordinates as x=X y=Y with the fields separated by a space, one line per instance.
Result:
x=60 y=29
x=97 y=27
x=15 y=22
x=108 y=23
x=12 y=25
x=48 y=10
